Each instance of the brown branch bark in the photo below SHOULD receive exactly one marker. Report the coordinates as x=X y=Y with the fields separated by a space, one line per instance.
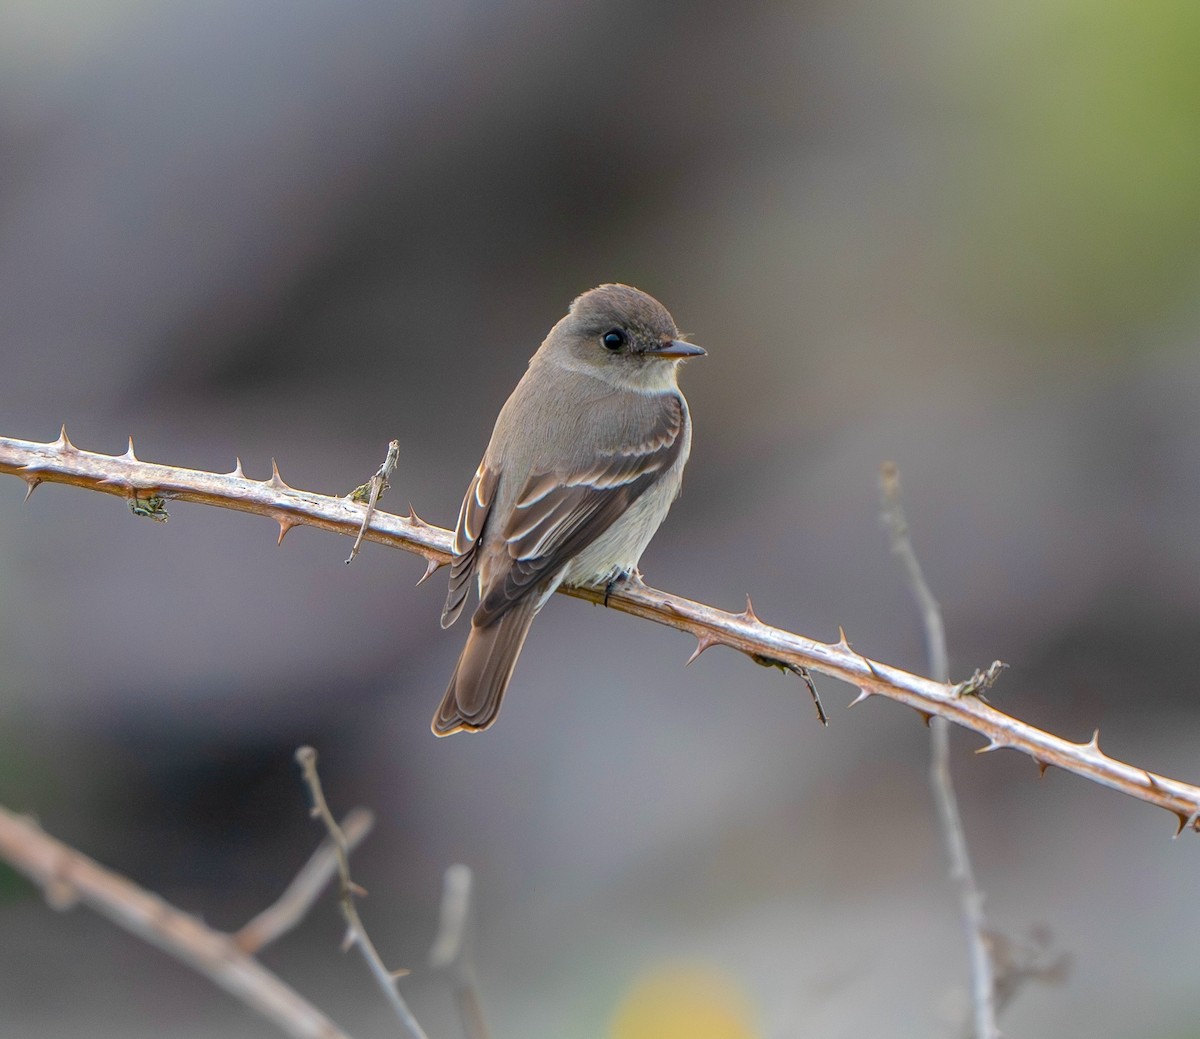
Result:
x=128 y=477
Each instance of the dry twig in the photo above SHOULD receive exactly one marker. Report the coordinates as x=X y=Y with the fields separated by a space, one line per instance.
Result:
x=971 y=898
x=370 y=492
x=450 y=950
x=128 y=477
x=298 y=898
x=67 y=876
x=356 y=933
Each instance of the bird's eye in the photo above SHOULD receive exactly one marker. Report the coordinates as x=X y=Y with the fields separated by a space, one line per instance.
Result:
x=614 y=339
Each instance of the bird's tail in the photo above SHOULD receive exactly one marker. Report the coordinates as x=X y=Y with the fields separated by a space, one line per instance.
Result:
x=482 y=673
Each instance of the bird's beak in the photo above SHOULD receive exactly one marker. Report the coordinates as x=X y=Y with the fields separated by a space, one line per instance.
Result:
x=678 y=348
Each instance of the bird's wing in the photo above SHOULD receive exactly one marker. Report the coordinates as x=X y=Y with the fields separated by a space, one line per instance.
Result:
x=472 y=517
x=558 y=514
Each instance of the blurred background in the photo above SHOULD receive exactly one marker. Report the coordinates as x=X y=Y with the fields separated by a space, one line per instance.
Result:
x=965 y=238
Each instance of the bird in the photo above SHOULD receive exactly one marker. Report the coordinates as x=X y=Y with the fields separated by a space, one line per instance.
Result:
x=584 y=462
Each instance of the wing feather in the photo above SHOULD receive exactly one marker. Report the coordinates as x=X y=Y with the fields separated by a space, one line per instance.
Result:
x=472 y=519
x=557 y=515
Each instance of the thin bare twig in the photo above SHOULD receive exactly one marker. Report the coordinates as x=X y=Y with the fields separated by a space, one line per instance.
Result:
x=450 y=950
x=67 y=876
x=128 y=477
x=356 y=933
x=371 y=492
x=970 y=897
x=298 y=898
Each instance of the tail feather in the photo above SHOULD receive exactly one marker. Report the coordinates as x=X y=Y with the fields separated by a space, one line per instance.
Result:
x=483 y=671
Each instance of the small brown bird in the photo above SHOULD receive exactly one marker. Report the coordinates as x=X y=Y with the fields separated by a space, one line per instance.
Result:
x=586 y=458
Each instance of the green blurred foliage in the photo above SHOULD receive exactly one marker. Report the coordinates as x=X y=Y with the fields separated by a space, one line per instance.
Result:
x=1081 y=190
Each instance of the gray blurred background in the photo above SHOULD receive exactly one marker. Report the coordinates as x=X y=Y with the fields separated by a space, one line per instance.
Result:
x=961 y=237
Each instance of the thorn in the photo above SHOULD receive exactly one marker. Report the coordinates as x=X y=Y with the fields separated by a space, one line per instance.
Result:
x=748 y=614
x=276 y=480
x=285 y=524
x=414 y=519
x=34 y=482
x=703 y=642
x=237 y=469
x=926 y=716
x=1093 y=744
x=129 y=456
x=863 y=694
x=1185 y=821
x=402 y=972
x=991 y=745
x=1042 y=766
x=432 y=566
x=357 y=890
x=842 y=641
x=63 y=443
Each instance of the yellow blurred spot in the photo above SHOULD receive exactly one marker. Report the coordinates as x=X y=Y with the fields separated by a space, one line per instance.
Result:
x=683 y=1001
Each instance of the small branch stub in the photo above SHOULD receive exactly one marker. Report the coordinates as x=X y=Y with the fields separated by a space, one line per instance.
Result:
x=370 y=492
x=981 y=681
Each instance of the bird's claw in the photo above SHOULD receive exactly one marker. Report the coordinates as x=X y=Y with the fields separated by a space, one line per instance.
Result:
x=632 y=578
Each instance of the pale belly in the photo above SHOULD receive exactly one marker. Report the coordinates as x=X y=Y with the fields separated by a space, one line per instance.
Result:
x=618 y=549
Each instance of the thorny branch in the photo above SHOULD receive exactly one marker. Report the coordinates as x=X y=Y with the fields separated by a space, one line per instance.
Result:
x=132 y=479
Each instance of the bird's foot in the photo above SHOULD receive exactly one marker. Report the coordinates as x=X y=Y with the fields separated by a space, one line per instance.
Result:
x=627 y=578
